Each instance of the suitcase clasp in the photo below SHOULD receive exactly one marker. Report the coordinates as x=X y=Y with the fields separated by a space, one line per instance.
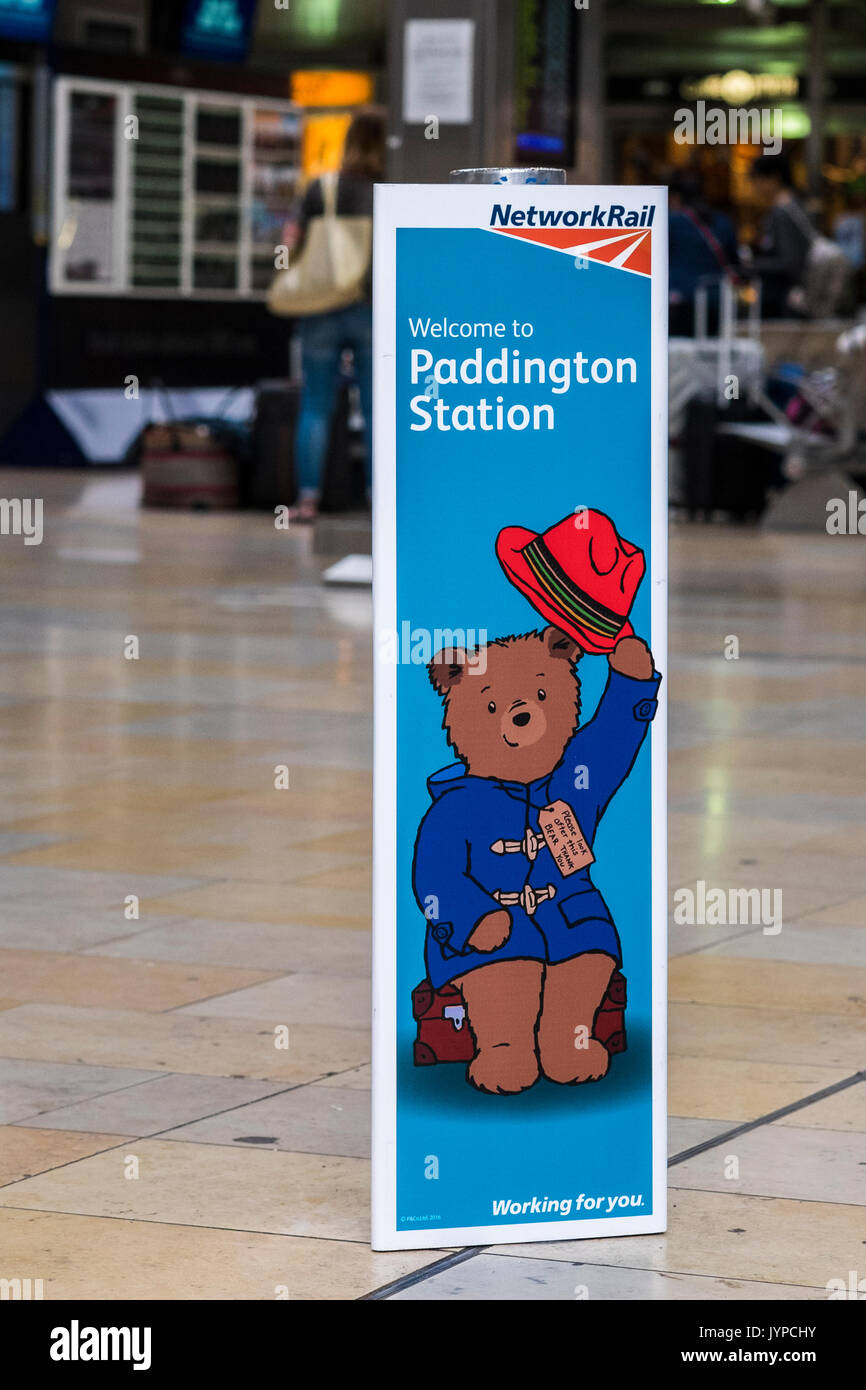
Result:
x=457 y=1014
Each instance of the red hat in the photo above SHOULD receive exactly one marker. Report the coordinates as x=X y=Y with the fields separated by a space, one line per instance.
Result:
x=580 y=575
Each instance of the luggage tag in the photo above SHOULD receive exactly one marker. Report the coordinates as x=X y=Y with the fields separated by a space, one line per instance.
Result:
x=564 y=838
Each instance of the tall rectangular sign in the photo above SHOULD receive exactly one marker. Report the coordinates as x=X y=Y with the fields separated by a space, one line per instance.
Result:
x=520 y=514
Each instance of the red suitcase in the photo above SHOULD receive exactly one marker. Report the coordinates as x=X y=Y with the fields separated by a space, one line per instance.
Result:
x=188 y=465
x=444 y=1034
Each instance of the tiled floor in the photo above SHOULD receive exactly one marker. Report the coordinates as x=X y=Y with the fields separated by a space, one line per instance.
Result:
x=164 y=910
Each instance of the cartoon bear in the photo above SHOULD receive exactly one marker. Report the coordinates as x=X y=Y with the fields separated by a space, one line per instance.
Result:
x=502 y=856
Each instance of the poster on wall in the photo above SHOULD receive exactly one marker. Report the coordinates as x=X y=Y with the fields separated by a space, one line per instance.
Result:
x=437 y=70
x=519 y=899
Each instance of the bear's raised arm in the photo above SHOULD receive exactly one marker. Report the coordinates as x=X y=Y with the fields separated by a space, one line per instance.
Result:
x=450 y=898
x=608 y=744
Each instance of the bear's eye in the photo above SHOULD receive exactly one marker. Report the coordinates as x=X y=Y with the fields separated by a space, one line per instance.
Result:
x=542 y=695
x=491 y=707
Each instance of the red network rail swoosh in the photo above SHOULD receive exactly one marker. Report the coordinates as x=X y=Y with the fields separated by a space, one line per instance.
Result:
x=627 y=249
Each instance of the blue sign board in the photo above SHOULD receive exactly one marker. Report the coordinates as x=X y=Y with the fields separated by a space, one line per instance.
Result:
x=27 y=19
x=520 y=513
x=218 y=28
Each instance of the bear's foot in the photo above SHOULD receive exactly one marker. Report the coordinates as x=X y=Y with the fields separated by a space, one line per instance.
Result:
x=504 y=1070
x=588 y=1063
x=573 y=991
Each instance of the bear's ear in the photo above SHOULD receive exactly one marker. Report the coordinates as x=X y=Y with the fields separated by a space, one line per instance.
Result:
x=559 y=644
x=447 y=668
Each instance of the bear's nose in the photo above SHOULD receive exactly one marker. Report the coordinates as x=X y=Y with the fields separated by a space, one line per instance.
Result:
x=521 y=719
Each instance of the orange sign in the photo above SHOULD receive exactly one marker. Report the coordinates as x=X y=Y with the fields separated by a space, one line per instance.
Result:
x=323 y=88
x=322 y=142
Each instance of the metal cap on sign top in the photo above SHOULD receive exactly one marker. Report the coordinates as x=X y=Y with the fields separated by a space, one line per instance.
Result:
x=507 y=176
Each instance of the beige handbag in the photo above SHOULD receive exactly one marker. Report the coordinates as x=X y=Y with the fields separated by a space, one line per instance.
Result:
x=332 y=267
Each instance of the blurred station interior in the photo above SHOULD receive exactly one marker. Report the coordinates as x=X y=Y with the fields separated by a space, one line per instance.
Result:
x=155 y=156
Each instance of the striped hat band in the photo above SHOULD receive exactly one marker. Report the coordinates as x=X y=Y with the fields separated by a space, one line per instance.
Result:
x=573 y=603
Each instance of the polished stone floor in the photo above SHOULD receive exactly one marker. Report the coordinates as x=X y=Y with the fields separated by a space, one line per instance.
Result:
x=162 y=904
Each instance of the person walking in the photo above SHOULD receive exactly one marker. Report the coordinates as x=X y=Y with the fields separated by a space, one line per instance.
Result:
x=702 y=245
x=326 y=336
x=785 y=237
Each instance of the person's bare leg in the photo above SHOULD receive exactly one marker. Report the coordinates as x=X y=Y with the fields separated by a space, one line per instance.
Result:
x=573 y=991
x=502 y=1003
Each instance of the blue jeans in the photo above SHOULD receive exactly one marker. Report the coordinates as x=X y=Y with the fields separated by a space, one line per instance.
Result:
x=323 y=338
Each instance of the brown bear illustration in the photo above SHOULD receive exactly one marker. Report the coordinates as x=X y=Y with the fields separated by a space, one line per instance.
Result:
x=534 y=969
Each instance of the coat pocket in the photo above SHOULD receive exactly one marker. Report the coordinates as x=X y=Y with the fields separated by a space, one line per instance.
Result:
x=586 y=906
